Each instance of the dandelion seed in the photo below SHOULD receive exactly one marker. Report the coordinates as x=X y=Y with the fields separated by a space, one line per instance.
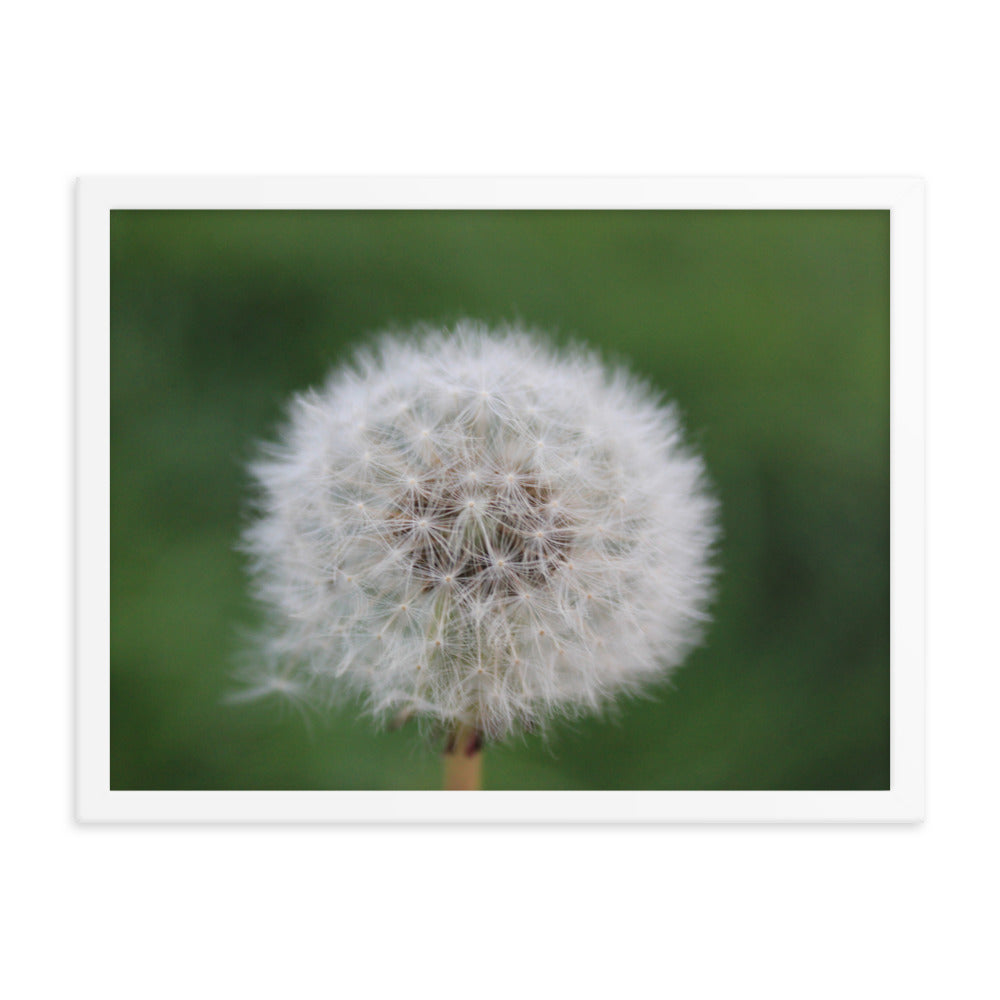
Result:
x=522 y=581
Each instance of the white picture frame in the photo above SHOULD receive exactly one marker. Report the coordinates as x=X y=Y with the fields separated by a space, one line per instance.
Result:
x=96 y=802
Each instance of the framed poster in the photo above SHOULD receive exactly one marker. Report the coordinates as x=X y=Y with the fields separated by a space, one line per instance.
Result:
x=500 y=500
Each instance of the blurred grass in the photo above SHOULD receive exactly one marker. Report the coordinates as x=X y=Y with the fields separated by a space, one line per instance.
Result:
x=770 y=329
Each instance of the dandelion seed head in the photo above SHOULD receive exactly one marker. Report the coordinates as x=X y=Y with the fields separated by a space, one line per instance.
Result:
x=472 y=526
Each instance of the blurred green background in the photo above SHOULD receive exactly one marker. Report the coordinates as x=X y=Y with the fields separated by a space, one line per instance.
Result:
x=770 y=330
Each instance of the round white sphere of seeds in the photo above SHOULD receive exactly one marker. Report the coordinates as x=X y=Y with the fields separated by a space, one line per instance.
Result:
x=478 y=529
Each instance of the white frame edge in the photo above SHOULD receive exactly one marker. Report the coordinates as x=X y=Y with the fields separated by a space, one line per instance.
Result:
x=96 y=802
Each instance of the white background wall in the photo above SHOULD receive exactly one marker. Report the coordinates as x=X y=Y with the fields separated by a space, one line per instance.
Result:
x=853 y=88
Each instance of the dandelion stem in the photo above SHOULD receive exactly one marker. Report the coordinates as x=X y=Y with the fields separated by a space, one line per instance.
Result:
x=463 y=760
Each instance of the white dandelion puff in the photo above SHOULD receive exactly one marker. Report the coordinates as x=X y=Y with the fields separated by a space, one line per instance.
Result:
x=476 y=529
